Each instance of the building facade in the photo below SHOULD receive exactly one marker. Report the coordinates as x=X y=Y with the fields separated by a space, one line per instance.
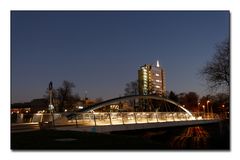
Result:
x=151 y=80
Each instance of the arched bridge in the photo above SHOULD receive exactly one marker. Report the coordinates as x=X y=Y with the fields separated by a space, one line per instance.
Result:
x=117 y=121
x=119 y=99
x=122 y=121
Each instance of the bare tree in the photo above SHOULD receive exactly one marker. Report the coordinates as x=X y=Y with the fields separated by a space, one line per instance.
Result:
x=217 y=71
x=131 y=88
x=216 y=101
x=189 y=100
x=64 y=95
x=173 y=96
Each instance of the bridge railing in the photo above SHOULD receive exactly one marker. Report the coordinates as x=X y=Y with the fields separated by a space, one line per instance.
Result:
x=205 y=116
x=121 y=118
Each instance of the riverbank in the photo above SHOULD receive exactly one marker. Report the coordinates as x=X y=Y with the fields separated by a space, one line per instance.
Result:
x=206 y=137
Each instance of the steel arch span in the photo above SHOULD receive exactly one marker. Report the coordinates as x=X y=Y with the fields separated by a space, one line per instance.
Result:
x=110 y=101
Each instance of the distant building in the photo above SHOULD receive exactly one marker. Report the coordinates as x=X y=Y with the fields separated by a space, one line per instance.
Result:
x=88 y=102
x=151 y=80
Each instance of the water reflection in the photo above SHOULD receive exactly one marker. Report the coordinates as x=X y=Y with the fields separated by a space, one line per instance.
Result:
x=191 y=137
x=194 y=137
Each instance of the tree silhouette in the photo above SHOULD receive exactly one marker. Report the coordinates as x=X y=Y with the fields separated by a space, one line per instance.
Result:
x=131 y=88
x=217 y=71
x=173 y=96
x=189 y=100
x=65 y=97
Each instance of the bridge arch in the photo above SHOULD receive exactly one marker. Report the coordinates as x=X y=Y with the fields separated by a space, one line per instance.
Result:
x=110 y=101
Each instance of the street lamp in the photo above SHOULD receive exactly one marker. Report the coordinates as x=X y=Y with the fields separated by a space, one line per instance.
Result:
x=203 y=106
x=208 y=107
x=198 y=107
x=223 y=107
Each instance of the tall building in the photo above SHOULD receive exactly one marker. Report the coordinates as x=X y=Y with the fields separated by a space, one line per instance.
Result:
x=151 y=80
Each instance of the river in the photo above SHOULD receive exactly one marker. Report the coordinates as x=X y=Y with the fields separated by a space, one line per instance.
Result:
x=205 y=137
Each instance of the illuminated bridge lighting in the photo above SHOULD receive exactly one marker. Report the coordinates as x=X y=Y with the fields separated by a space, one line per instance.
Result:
x=121 y=118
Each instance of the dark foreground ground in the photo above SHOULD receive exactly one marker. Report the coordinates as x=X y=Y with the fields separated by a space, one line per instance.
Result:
x=208 y=137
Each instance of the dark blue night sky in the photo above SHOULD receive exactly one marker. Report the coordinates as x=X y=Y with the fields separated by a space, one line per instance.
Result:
x=101 y=51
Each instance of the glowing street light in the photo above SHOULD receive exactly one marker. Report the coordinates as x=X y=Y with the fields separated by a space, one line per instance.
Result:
x=208 y=101
x=223 y=107
x=203 y=106
x=207 y=105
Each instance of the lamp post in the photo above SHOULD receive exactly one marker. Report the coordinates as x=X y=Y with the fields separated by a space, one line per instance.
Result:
x=223 y=107
x=203 y=106
x=208 y=107
x=198 y=107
